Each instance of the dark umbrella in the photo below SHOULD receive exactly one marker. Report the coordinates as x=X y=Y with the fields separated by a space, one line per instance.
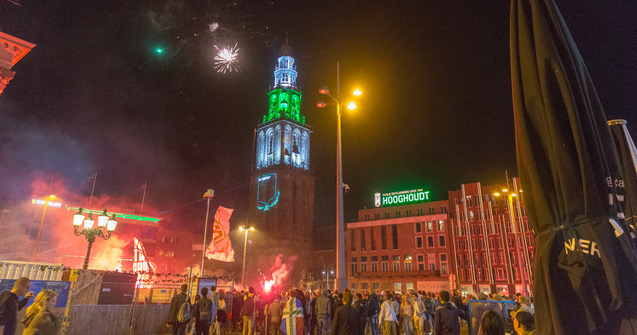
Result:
x=628 y=160
x=585 y=261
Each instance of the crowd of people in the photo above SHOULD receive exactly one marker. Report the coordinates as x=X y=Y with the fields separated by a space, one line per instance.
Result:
x=322 y=312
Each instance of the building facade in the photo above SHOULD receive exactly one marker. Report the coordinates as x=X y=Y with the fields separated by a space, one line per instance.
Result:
x=12 y=50
x=487 y=247
x=400 y=247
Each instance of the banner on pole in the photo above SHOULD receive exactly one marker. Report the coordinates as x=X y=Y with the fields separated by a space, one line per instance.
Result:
x=221 y=247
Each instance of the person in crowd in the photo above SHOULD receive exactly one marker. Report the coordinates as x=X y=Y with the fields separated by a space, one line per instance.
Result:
x=202 y=311
x=338 y=302
x=363 y=314
x=214 y=299
x=274 y=313
x=346 y=318
x=523 y=322
x=407 y=314
x=10 y=304
x=446 y=316
x=420 y=312
x=491 y=324
x=323 y=312
x=237 y=304
x=178 y=328
x=313 y=319
x=525 y=304
x=373 y=308
x=40 y=319
x=387 y=316
x=248 y=312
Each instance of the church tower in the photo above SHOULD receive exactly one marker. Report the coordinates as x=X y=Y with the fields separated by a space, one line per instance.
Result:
x=282 y=184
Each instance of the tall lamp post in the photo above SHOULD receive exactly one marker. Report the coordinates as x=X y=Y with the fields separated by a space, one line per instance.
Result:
x=245 y=249
x=84 y=226
x=341 y=279
x=208 y=195
x=510 y=196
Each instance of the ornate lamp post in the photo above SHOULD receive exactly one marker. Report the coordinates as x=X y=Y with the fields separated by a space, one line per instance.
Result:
x=84 y=226
x=245 y=248
x=341 y=279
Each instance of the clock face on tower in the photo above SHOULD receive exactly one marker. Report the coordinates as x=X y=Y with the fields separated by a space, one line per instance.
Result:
x=267 y=191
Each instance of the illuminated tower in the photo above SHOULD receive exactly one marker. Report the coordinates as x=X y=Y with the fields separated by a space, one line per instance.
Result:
x=282 y=184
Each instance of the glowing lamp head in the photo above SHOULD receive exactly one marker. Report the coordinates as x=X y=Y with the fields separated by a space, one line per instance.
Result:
x=111 y=224
x=324 y=90
x=504 y=190
x=321 y=104
x=242 y=228
x=78 y=218
x=351 y=106
x=102 y=219
x=357 y=92
x=51 y=196
x=88 y=223
x=252 y=229
x=496 y=194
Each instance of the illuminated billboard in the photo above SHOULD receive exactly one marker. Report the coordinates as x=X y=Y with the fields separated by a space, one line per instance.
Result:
x=400 y=198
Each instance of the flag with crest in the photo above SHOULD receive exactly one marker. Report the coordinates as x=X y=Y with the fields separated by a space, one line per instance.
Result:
x=221 y=247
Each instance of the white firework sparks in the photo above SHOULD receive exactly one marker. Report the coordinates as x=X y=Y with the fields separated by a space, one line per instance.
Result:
x=226 y=59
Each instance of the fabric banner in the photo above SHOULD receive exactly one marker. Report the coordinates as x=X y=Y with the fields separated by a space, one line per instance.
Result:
x=221 y=247
x=292 y=317
x=140 y=260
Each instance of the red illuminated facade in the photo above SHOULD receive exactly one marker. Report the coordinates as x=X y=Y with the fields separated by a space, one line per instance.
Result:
x=12 y=49
x=485 y=241
x=400 y=248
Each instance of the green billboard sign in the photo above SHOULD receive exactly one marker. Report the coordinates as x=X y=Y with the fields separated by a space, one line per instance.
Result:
x=400 y=198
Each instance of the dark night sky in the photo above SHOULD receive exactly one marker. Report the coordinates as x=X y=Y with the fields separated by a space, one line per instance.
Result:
x=437 y=112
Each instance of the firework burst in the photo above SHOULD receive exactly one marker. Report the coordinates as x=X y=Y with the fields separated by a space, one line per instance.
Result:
x=226 y=59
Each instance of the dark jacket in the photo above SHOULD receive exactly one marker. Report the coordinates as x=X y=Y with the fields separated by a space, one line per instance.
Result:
x=446 y=319
x=175 y=304
x=9 y=307
x=361 y=307
x=202 y=305
x=43 y=323
x=346 y=321
x=337 y=303
x=373 y=305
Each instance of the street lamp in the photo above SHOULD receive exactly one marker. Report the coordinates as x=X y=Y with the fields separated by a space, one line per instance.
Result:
x=84 y=226
x=341 y=279
x=327 y=278
x=208 y=195
x=37 y=239
x=245 y=249
x=510 y=196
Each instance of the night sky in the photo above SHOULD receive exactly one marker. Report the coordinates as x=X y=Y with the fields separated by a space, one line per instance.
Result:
x=93 y=95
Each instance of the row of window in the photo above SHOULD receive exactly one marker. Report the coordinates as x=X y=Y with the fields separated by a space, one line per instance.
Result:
x=482 y=274
x=494 y=244
x=396 y=263
x=429 y=226
x=408 y=213
x=383 y=238
x=497 y=258
x=376 y=286
x=430 y=241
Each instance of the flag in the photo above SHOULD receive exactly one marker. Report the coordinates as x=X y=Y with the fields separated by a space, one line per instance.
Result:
x=292 y=317
x=140 y=260
x=221 y=247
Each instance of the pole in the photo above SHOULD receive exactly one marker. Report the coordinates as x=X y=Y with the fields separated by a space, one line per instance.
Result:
x=88 y=253
x=207 y=195
x=141 y=210
x=245 y=248
x=517 y=246
x=90 y=200
x=37 y=239
x=341 y=279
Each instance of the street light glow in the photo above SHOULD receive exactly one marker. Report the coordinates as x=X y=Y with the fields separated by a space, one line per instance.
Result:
x=357 y=92
x=351 y=106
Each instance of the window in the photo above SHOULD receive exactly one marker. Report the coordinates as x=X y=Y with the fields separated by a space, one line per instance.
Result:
x=375 y=286
x=443 y=265
x=363 y=264
x=398 y=287
x=363 y=244
x=407 y=263
x=385 y=263
x=354 y=265
x=441 y=240
x=364 y=286
x=377 y=216
x=351 y=242
x=429 y=226
x=383 y=237
x=430 y=241
x=366 y=217
x=419 y=242
x=374 y=263
x=409 y=286
x=354 y=286
x=432 y=261
x=394 y=236
x=408 y=212
x=371 y=237
x=441 y=225
x=396 y=263
x=397 y=214
x=387 y=215
x=418 y=227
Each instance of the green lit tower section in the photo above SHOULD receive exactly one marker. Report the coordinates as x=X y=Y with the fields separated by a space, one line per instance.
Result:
x=282 y=180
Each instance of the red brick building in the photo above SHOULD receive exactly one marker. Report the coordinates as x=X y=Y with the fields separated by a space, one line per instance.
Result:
x=398 y=248
x=485 y=248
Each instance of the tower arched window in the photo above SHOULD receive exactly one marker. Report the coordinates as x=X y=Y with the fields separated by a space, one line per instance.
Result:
x=296 y=152
x=305 y=151
x=270 y=148
x=260 y=150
